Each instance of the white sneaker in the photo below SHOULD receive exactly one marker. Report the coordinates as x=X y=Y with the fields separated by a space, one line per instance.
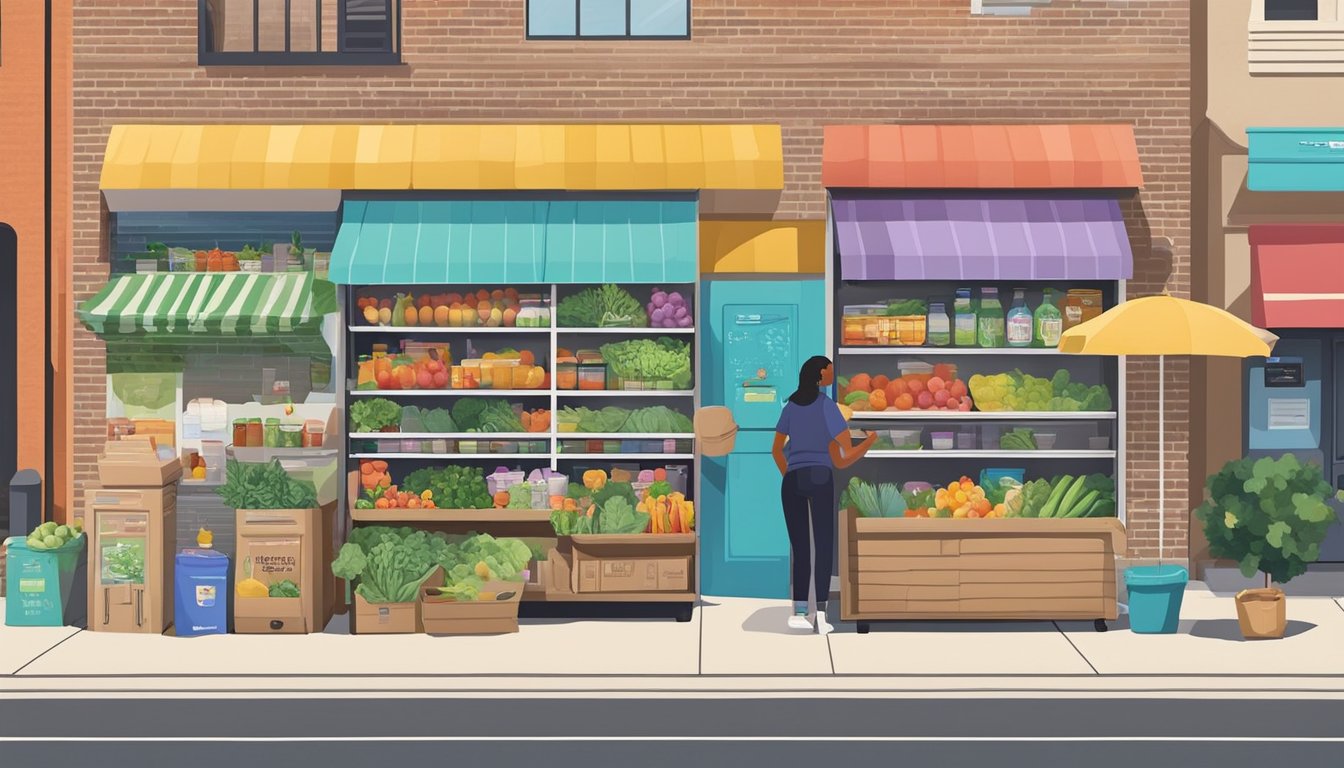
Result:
x=799 y=621
x=823 y=627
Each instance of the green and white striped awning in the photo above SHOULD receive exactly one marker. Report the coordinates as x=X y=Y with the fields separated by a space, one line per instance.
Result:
x=213 y=303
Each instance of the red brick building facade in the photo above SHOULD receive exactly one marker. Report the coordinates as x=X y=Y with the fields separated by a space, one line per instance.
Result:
x=802 y=64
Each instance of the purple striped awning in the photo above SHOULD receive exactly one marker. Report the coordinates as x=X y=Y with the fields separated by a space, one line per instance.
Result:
x=980 y=238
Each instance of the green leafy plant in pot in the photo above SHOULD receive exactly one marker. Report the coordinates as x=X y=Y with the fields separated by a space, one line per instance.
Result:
x=1270 y=515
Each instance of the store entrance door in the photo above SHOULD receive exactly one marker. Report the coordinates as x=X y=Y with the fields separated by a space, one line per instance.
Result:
x=1332 y=549
x=9 y=405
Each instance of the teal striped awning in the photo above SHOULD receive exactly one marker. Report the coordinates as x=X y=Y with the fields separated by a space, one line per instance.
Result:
x=210 y=303
x=624 y=241
x=515 y=242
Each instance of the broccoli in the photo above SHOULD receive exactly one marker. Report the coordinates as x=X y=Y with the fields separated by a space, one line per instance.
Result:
x=467 y=412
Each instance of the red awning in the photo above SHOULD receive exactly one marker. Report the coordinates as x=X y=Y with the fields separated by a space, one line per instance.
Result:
x=980 y=157
x=1297 y=275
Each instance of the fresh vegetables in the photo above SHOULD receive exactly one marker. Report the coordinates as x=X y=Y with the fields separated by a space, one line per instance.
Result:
x=882 y=500
x=1018 y=440
x=606 y=306
x=435 y=420
x=520 y=496
x=451 y=487
x=658 y=419
x=283 y=588
x=662 y=359
x=390 y=564
x=373 y=475
x=265 y=486
x=538 y=420
x=51 y=535
x=616 y=516
x=594 y=479
x=907 y=308
x=374 y=414
x=486 y=415
x=479 y=558
x=1018 y=391
x=668 y=310
x=605 y=421
x=1072 y=497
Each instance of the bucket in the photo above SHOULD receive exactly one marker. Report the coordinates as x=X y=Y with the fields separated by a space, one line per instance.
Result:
x=40 y=583
x=1155 y=593
x=201 y=593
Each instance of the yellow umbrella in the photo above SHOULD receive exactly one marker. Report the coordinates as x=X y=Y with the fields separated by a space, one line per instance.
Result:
x=1165 y=325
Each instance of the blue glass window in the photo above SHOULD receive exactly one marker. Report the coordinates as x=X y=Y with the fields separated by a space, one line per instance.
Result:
x=607 y=19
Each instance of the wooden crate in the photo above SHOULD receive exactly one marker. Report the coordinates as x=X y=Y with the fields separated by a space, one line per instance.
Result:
x=1018 y=568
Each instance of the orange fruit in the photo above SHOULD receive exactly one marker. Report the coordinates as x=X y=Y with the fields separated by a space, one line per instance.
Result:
x=441 y=316
x=878 y=400
x=426 y=314
x=879 y=382
x=525 y=357
x=412 y=316
x=914 y=386
x=861 y=382
x=904 y=402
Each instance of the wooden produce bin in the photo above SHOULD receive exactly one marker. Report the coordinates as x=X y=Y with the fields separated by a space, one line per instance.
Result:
x=446 y=616
x=644 y=563
x=895 y=569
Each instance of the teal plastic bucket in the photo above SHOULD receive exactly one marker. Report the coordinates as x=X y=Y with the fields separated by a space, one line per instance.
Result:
x=39 y=582
x=1155 y=593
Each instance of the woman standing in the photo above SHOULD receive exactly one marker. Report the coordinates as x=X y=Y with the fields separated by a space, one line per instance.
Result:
x=811 y=440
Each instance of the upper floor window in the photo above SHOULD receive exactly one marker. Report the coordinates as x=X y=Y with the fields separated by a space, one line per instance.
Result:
x=608 y=19
x=300 y=32
x=1296 y=37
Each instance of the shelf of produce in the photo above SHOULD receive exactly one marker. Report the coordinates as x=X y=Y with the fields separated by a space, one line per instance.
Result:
x=628 y=331
x=954 y=454
x=942 y=351
x=626 y=456
x=625 y=393
x=451 y=515
x=419 y=329
x=625 y=435
x=451 y=456
x=984 y=415
x=451 y=435
x=392 y=393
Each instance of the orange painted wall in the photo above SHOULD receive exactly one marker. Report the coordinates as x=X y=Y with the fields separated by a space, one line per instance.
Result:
x=22 y=206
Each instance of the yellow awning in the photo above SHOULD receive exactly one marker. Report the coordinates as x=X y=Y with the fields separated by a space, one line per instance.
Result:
x=786 y=247
x=444 y=157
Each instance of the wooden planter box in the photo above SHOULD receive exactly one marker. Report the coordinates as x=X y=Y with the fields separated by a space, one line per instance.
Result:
x=1025 y=569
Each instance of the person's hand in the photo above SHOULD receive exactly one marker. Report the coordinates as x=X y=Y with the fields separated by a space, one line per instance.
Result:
x=870 y=436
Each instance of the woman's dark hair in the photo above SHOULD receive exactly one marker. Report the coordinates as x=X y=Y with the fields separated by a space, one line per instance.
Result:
x=809 y=380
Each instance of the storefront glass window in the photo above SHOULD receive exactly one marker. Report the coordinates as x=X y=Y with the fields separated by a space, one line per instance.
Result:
x=608 y=18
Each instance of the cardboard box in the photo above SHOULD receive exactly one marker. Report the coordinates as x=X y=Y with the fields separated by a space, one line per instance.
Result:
x=445 y=616
x=133 y=462
x=126 y=525
x=639 y=563
x=391 y=618
x=275 y=545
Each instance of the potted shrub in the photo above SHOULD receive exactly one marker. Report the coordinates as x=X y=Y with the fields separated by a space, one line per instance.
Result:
x=1270 y=515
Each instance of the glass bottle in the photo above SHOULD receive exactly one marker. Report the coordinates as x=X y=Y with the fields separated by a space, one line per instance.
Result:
x=1049 y=321
x=990 y=320
x=1019 y=323
x=964 y=311
x=940 y=327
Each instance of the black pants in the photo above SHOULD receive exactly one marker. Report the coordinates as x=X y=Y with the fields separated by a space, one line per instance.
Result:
x=812 y=487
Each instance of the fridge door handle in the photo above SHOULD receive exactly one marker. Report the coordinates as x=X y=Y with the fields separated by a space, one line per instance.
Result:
x=139 y=607
x=107 y=608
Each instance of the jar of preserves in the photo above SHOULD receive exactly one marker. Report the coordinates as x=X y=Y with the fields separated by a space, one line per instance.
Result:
x=255 y=434
x=240 y=433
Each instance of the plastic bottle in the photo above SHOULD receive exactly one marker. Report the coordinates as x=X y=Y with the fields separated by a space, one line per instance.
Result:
x=965 y=322
x=990 y=321
x=1049 y=321
x=940 y=327
x=1019 y=323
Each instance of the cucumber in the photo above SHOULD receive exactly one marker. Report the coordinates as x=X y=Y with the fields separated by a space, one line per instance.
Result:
x=1082 y=507
x=1071 y=498
x=1056 y=493
x=1103 y=508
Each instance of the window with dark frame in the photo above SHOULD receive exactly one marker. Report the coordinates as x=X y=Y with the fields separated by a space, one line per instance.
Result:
x=299 y=32
x=608 y=19
x=1291 y=10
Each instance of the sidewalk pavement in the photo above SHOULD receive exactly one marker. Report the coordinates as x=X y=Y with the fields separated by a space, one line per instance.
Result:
x=732 y=647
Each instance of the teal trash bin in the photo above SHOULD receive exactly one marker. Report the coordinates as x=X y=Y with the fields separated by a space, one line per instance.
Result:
x=1155 y=593
x=39 y=582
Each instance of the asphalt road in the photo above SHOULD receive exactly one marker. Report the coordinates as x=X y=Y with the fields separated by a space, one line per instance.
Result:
x=768 y=732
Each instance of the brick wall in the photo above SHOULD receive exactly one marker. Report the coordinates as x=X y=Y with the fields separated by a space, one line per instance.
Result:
x=799 y=63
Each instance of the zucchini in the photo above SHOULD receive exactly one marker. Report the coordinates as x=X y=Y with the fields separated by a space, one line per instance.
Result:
x=1056 y=493
x=1070 y=499
x=1082 y=507
x=854 y=397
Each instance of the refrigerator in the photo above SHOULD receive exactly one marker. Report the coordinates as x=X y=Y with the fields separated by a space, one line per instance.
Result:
x=1295 y=404
x=759 y=334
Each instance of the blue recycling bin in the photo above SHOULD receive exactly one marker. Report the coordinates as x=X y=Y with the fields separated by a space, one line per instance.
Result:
x=201 y=593
x=1155 y=593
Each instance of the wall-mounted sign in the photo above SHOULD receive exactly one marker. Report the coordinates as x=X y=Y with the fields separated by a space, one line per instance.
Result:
x=1287 y=413
x=1284 y=372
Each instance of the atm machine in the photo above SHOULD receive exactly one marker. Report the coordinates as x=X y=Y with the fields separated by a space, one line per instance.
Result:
x=1295 y=404
x=761 y=333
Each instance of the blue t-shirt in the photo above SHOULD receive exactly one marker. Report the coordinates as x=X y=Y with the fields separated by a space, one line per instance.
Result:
x=810 y=429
